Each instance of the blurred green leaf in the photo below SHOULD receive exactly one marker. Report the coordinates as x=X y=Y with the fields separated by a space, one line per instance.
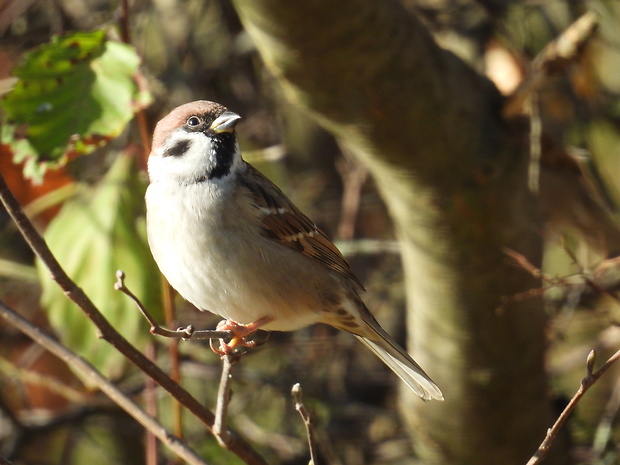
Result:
x=73 y=95
x=98 y=232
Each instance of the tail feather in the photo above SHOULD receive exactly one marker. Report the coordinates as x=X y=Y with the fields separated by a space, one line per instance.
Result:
x=399 y=361
x=405 y=367
x=368 y=330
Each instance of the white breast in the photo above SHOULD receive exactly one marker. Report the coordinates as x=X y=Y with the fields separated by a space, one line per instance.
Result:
x=220 y=263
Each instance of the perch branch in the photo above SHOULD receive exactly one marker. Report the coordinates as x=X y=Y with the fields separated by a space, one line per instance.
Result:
x=307 y=418
x=108 y=388
x=237 y=445
x=586 y=383
x=181 y=333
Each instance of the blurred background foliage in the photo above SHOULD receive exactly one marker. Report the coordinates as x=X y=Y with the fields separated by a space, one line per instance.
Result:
x=91 y=210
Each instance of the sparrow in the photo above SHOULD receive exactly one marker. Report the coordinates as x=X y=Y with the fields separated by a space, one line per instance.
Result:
x=230 y=242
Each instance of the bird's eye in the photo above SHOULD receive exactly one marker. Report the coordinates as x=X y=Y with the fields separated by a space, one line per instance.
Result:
x=193 y=121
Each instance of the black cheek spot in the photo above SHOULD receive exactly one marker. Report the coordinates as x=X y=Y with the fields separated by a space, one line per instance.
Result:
x=179 y=149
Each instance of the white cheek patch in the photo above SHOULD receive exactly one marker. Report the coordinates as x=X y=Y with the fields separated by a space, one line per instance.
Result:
x=182 y=158
x=182 y=144
x=188 y=157
x=178 y=148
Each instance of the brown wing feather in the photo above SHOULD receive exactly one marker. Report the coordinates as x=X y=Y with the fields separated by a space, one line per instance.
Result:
x=285 y=224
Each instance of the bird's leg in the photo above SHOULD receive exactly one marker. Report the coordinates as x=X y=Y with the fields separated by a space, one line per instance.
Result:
x=241 y=333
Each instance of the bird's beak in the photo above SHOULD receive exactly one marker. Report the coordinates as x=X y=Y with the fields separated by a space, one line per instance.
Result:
x=226 y=122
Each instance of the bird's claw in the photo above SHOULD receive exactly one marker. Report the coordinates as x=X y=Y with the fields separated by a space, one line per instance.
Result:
x=242 y=336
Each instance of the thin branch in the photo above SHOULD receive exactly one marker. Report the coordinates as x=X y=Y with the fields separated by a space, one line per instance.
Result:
x=602 y=280
x=108 y=388
x=586 y=383
x=307 y=418
x=30 y=376
x=125 y=31
x=150 y=401
x=224 y=394
x=173 y=353
x=124 y=22
x=353 y=175
x=554 y=58
x=535 y=144
x=604 y=430
x=237 y=445
x=181 y=333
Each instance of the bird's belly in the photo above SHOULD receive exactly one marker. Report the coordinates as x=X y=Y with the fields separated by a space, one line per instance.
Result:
x=244 y=291
x=222 y=274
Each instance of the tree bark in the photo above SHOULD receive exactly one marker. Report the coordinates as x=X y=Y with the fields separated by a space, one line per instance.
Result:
x=453 y=175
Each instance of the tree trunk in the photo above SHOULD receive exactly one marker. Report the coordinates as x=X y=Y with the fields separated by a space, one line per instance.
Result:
x=453 y=175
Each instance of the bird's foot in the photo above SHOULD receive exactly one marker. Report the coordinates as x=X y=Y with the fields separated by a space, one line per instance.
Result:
x=242 y=335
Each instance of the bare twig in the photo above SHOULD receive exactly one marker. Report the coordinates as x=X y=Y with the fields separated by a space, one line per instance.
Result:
x=125 y=31
x=353 y=176
x=30 y=376
x=181 y=333
x=150 y=401
x=124 y=22
x=224 y=393
x=173 y=353
x=535 y=144
x=236 y=445
x=604 y=429
x=587 y=382
x=108 y=388
x=307 y=418
x=601 y=280
x=552 y=60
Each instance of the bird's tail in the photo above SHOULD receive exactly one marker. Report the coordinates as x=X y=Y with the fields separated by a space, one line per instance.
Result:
x=400 y=362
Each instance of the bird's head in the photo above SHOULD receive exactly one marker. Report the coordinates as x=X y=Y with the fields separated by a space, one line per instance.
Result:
x=195 y=142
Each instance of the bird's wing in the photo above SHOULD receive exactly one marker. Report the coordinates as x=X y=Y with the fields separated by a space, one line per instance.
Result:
x=282 y=222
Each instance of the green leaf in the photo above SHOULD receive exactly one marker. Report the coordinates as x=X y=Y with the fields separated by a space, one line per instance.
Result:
x=96 y=233
x=73 y=95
